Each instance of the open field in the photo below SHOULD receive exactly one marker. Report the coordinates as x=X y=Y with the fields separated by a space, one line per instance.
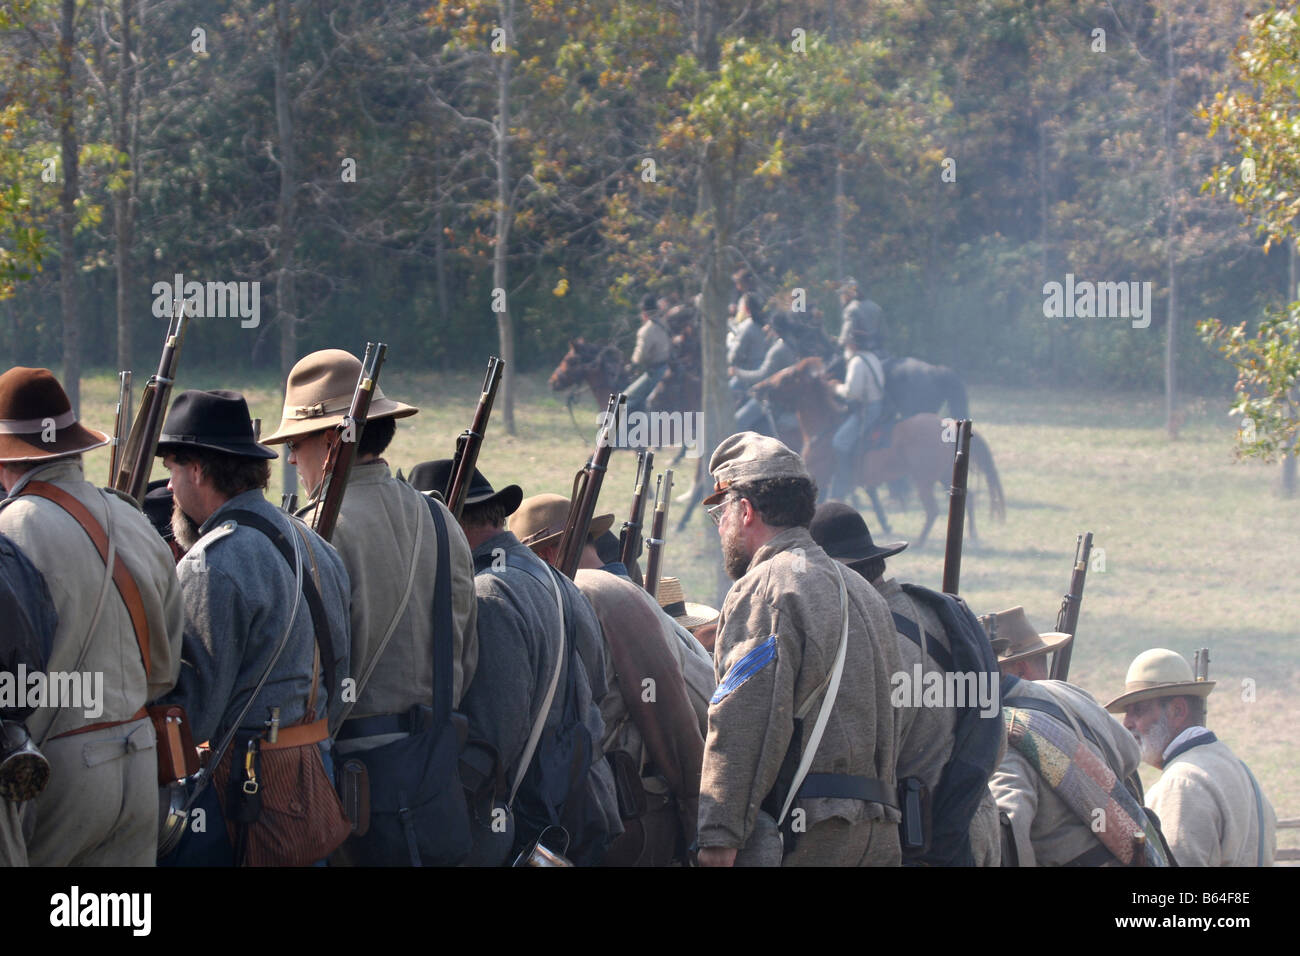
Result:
x=1198 y=549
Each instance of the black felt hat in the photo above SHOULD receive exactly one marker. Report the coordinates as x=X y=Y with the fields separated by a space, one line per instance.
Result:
x=436 y=475
x=217 y=421
x=843 y=534
x=158 y=507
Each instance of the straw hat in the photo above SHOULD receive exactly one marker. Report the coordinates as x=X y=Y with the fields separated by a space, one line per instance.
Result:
x=1014 y=638
x=540 y=520
x=37 y=420
x=686 y=613
x=1158 y=672
x=319 y=395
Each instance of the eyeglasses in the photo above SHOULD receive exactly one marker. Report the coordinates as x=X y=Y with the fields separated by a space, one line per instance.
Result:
x=290 y=444
x=717 y=510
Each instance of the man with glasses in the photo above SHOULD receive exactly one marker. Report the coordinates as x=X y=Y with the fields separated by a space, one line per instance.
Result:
x=779 y=635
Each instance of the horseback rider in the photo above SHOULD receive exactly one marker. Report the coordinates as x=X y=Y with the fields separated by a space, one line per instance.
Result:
x=745 y=342
x=779 y=328
x=863 y=390
x=861 y=315
x=653 y=348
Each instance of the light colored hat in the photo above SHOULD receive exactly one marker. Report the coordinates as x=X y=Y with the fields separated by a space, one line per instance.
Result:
x=37 y=420
x=319 y=395
x=686 y=613
x=1159 y=672
x=1014 y=638
x=540 y=520
x=749 y=456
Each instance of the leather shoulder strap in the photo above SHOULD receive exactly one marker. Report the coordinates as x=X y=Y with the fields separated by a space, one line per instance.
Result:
x=122 y=579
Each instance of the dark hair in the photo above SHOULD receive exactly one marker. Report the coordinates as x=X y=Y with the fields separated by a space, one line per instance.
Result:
x=649 y=303
x=230 y=474
x=376 y=436
x=1195 y=709
x=485 y=514
x=781 y=502
x=875 y=568
x=609 y=547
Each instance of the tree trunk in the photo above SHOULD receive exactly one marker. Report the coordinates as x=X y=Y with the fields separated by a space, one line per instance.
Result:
x=1288 y=482
x=68 y=209
x=1171 y=325
x=505 y=325
x=440 y=258
x=837 y=240
x=286 y=301
x=123 y=205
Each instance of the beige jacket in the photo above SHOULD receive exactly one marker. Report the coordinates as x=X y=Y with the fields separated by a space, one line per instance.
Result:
x=777 y=639
x=1207 y=809
x=652 y=345
x=1047 y=832
x=375 y=536
x=74 y=572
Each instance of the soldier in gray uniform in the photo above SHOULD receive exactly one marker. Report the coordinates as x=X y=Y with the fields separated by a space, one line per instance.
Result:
x=653 y=348
x=783 y=652
x=862 y=316
x=779 y=355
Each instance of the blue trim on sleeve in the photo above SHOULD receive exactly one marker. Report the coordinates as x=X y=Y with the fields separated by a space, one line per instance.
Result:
x=745 y=668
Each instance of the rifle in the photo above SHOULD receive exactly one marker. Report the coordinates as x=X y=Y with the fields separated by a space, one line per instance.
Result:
x=654 y=544
x=121 y=420
x=1201 y=671
x=586 y=489
x=135 y=462
x=470 y=441
x=629 y=539
x=956 y=509
x=339 y=463
x=1067 y=618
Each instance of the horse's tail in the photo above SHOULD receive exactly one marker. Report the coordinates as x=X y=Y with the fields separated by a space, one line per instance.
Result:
x=983 y=459
x=955 y=393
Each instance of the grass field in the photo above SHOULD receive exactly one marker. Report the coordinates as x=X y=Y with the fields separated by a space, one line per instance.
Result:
x=1198 y=549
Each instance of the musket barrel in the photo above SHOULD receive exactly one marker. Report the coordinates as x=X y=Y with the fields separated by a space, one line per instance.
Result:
x=957 y=509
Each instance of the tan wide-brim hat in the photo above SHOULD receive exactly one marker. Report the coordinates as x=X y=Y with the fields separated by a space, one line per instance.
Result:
x=686 y=613
x=539 y=522
x=1159 y=672
x=319 y=395
x=1014 y=638
x=37 y=420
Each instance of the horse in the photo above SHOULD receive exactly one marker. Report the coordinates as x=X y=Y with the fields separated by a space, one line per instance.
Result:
x=598 y=367
x=913 y=386
x=916 y=449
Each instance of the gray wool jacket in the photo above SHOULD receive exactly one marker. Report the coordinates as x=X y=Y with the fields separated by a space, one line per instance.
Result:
x=239 y=592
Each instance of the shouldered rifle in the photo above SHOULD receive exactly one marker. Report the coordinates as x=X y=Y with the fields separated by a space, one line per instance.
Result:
x=1067 y=618
x=956 y=509
x=655 y=543
x=471 y=440
x=339 y=463
x=586 y=489
x=629 y=539
x=135 y=462
x=1202 y=666
x=121 y=423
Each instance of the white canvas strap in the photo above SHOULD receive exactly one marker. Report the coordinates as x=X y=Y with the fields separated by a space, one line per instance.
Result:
x=540 y=720
x=828 y=701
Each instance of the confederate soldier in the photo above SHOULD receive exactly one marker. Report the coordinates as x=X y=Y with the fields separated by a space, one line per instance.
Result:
x=653 y=348
x=925 y=734
x=1211 y=808
x=860 y=315
x=653 y=739
x=745 y=342
x=779 y=355
x=100 y=807
x=387 y=539
x=243 y=607
x=863 y=391
x=519 y=643
x=1051 y=784
x=783 y=648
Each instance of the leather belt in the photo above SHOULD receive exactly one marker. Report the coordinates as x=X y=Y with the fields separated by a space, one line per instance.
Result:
x=299 y=735
x=358 y=727
x=103 y=724
x=848 y=787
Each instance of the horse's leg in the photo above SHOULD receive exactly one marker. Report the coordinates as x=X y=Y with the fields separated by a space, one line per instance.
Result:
x=880 y=511
x=970 y=514
x=925 y=492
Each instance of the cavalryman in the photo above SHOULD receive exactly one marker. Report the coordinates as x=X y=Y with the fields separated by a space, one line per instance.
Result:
x=796 y=634
x=1211 y=808
x=653 y=348
x=863 y=391
x=266 y=606
x=860 y=315
x=1067 y=760
x=386 y=537
x=119 y=617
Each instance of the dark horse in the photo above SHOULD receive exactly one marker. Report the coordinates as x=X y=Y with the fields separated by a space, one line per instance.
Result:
x=913 y=386
x=916 y=450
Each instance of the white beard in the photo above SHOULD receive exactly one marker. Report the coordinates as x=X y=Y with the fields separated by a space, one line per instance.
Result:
x=1155 y=740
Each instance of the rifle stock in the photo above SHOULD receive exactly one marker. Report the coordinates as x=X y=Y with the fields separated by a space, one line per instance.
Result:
x=1067 y=618
x=957 y=509
x=655 y=543
x=339 y=464
x=471 y=440
x=629 y=539
x=586 y=489
x=135 y=462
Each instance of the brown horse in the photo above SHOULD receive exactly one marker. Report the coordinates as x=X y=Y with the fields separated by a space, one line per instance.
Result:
x=598 y=367
x=916 y=449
